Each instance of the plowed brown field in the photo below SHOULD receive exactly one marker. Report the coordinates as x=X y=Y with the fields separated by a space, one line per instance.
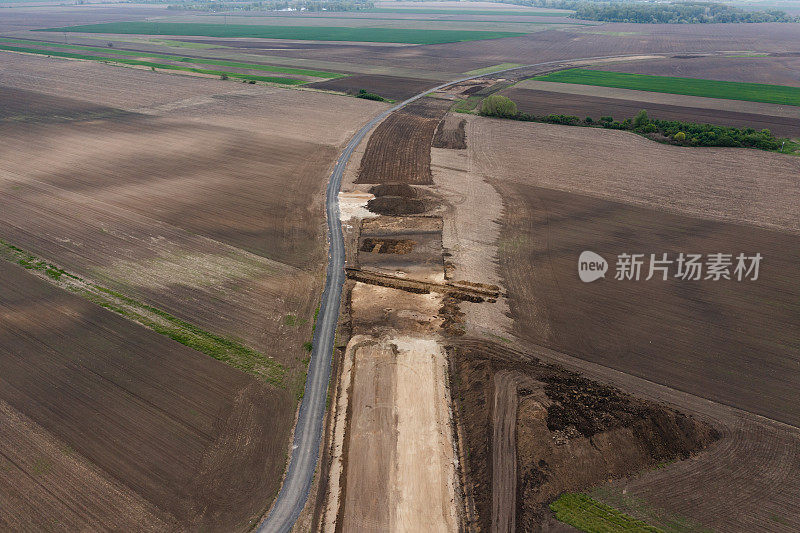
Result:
x=729 y=341
x=565 y=190
x=546 y=103
x=202 y=198
x=109 y=425
x=399 y=150
x=394 y=87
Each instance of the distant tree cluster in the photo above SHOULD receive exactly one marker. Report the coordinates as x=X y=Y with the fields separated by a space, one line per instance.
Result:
x=669 y=131
x=363 y=93
x=648 y=12
x=674 y=13
x=273 y=5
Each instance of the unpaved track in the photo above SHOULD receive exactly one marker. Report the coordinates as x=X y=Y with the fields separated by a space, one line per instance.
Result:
x=504 y=450
x=308 y=431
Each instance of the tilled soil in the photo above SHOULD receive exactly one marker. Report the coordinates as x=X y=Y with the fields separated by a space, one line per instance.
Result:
x=730 y=341
x=451 y=133
x=399 y=150
x=561 y=416
x=119 y=427
x=547 y=103
x=394 y=87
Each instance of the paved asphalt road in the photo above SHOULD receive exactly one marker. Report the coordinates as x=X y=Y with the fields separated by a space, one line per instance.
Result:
x=308 y=432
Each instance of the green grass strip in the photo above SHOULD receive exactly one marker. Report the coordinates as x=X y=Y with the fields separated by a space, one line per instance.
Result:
x=586 y=514
x=125 y=61
x=198 y=60
x=728 y=90
x=226 y=350
x=306 y=33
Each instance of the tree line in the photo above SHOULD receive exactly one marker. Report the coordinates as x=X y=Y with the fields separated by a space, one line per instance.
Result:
x=667 y=131
x=658 y=13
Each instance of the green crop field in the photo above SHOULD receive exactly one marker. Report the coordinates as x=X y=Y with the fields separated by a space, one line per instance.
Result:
x=197 y=60
x=728 y=90
x=497 y=12
x=586 y=514
x=306 y=33
x=165 y=66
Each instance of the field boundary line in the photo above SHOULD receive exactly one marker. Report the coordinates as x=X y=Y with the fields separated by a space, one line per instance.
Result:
x=224 y=349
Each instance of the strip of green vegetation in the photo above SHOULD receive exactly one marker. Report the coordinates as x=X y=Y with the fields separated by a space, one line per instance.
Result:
x=9 y=252
x=467 y=12
x=308 y=33
x=586 y=514
x=165 y=66
x=466 y=105
x=197 y=60
x=493 y=68
x=665 y=131
x=728 y=90
x=221 y=348
x=432 y=20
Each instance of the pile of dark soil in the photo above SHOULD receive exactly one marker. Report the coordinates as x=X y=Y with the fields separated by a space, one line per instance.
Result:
x=396 y=205
x=394 y=189
x=387 y=246
x=451 y=134
x=612 y=433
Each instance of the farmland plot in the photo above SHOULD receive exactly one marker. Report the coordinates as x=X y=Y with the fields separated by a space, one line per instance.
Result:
x=407 y=136
x=203 y=199
x=569 y=202
x=676 y=341
x=111 y=425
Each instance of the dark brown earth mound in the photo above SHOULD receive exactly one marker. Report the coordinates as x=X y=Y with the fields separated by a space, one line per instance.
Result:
x=451 y=133
x=566 y=433
x=387 y=246
x=396 y=205
x=394 y=189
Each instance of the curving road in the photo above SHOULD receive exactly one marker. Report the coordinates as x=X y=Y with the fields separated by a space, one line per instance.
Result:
x=308 y=431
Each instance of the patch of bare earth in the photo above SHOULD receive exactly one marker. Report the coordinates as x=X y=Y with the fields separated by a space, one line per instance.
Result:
x=199 y=197
x=565 y=190
x=109 y=425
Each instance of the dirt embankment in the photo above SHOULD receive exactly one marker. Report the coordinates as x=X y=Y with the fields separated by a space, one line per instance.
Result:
x=571 y=432
x=451 y=133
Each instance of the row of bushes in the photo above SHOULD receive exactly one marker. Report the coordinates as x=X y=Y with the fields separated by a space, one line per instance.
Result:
x=674 y=131
x=363 y=93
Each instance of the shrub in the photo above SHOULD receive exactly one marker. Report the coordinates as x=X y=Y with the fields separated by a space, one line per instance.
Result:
x=607 y=119
x=224 y=77
x=589 y=120
x=680 y=136
x=498 y=106
x=362 y=93
x=641 y=119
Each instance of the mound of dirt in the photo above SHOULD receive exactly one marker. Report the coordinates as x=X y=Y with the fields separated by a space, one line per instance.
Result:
x=451 y=133
x=394 y=189
x=567 y=433
x=396 y=205
x=387 y=246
